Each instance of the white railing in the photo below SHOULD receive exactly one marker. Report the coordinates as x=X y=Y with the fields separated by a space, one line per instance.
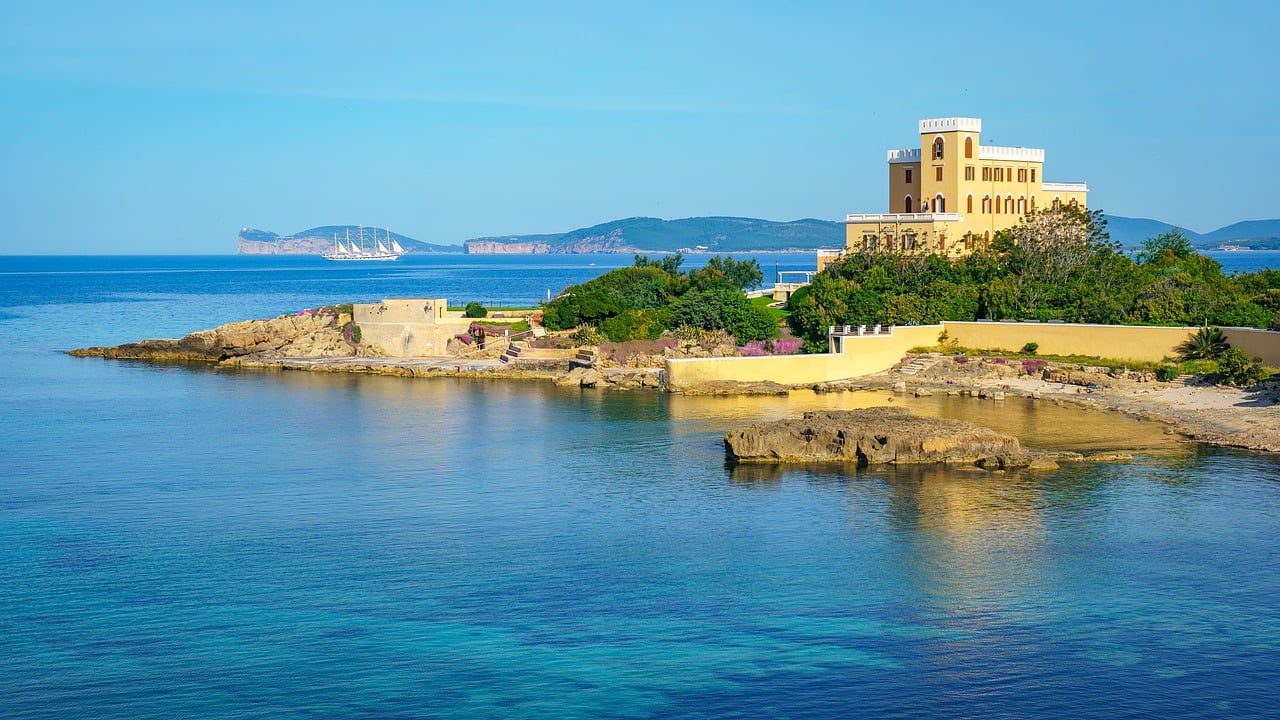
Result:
x=1019 y=154
x=904 y=217
x=859 y=330
x=1066 y=187
x=904 y=155
x=951 y=124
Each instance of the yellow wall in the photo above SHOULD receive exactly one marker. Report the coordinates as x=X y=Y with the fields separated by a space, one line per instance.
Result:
x=1263 y=344
x=899 y=188
x=928 y=234
x=862 y=356
x=1118 y=342
x=866 y=355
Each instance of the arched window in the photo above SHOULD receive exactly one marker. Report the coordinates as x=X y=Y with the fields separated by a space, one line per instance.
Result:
x=986 y=235
x=937 y=148
x=996 y=208
x=1022 y=206
x=968 y=240
x=1057 y=203
x=968 y=148
x=1073 y=203
x=939 y=204
x=906 y=204
x=968 y=204
x=1033 y=203
x=986 y=204
x=1008 y=205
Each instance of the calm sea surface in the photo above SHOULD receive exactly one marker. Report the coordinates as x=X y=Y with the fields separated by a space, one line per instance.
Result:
x=187 y=542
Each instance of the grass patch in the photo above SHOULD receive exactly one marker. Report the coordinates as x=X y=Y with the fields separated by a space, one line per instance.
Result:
x=518 y=326
x=764 y=301
x=522 y=311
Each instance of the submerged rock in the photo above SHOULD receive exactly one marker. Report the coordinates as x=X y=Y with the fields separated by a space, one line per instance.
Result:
x=873 y=436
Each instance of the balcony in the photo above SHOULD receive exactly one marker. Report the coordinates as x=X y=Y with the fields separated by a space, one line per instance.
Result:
x=903 y=217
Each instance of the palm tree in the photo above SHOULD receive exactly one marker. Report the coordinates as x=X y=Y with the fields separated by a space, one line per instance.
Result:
x=1207 y=343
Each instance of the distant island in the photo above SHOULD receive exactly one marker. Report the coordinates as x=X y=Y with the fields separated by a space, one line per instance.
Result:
x=715 y=235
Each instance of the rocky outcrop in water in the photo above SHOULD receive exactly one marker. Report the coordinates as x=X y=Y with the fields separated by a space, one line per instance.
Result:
x=879 y=435
x=310 y=333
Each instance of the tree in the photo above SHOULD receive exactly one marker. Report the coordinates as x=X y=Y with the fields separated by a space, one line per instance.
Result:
x=724 y=308
x=1168 y=245
x=1207 y=343
x=727 y=271
x=475 y=310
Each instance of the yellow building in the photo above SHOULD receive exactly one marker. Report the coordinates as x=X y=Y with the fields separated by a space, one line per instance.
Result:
x=952 y=193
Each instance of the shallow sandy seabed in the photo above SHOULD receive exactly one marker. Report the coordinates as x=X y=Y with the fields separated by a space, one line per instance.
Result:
x=1214 y=414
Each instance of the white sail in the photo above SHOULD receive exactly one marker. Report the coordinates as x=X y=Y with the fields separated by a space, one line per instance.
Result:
x=383 y=248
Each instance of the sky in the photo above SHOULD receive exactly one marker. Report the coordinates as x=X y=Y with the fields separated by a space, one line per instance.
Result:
x=164 y=128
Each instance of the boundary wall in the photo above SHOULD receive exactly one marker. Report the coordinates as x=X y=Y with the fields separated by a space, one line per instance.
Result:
x=863 y=355
x=858 y=355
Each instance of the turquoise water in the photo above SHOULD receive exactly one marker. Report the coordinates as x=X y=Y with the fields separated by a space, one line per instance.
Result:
x=186 y=542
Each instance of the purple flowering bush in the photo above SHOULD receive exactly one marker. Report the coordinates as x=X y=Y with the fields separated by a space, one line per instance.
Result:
x=782 y=346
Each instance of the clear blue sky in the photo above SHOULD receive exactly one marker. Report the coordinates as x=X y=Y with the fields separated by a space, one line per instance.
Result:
x=164 y=127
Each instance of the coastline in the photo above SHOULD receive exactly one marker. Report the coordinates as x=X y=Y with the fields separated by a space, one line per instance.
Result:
x=1205 y=413
x=323 y=340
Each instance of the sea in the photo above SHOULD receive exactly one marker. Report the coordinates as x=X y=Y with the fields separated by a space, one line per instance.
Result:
x=179 y=541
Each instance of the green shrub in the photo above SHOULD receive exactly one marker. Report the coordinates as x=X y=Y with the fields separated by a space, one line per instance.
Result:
x=1030 y=348
x=1237 y=368
x=636 y=325
x=1166 y=373
x=587 y=335
x=721 y=307
x=475 y=310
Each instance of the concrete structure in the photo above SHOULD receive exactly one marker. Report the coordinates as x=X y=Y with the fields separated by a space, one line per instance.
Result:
x=952 y=193
x=860 y=355
x=408 y=327
x=855 y=354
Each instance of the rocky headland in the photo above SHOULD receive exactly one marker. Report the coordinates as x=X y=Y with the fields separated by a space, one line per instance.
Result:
x=324 y=332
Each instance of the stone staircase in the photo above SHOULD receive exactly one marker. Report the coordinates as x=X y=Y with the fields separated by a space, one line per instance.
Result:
x=918 y=364
x=586 y=358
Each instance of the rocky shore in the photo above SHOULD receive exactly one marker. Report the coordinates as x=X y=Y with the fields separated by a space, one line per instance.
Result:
x=324 y=340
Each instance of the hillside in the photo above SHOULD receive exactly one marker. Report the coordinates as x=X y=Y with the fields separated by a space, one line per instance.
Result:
x=1130 y=232
x=1254 y=234
x=706 y=234
x=711 y=235
x=319 y=239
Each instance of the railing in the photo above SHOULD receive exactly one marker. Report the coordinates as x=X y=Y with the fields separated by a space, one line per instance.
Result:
x=508 y=337
x=904 y=217
x=905 y=155
x=1066 y=187
x=859 y=330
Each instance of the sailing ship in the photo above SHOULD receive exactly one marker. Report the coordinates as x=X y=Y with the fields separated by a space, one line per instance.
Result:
x=383 y=250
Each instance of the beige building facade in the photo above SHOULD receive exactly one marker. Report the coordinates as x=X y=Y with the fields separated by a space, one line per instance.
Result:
x=952 y=193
